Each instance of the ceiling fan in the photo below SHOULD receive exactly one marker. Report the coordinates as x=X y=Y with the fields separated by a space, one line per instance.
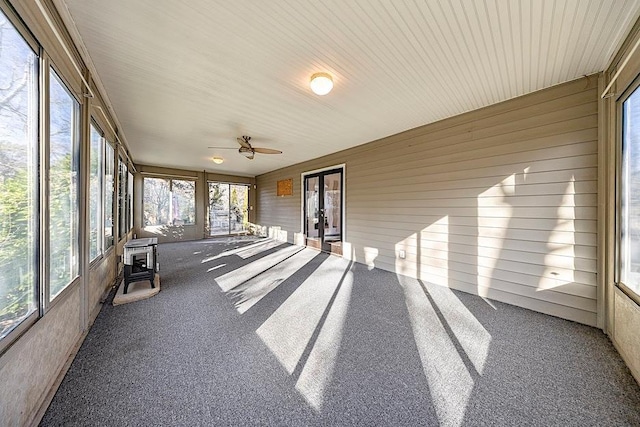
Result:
x=247 y=150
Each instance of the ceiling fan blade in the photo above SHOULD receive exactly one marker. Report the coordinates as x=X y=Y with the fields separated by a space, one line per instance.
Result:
x=266 y=150
x=244 y=141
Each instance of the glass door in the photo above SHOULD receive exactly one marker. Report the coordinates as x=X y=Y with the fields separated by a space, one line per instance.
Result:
x=323 y=210
x=228 y=208
x=238 y=208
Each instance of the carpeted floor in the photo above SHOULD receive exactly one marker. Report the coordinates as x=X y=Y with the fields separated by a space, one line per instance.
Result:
x=257 y=333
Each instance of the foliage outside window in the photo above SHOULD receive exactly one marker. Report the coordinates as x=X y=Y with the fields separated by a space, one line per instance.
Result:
x=109 y=183
x=63 y=186
x=96 y=152
x=630 y=194
x=169 y=201
x=18 y=178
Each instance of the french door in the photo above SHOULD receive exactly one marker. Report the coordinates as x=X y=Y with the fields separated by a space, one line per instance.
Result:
x=323 y=210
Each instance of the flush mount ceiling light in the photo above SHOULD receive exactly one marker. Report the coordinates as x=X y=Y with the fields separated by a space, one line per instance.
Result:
x=321 y=83
x=217 y=160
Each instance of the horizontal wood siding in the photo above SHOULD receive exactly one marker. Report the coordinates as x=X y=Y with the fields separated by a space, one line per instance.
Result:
x=499 y=202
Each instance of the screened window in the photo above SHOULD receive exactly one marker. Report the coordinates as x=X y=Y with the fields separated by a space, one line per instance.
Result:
x=169 y=201
x=630 y=194
x=63 y=186
x=109 y=176
x=96 y=167
x=18 y=178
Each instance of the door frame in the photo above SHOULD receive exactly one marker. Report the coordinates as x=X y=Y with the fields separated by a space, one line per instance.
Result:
x=343 y=204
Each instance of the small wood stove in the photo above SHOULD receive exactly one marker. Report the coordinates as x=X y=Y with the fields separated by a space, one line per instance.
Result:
x=140 y=261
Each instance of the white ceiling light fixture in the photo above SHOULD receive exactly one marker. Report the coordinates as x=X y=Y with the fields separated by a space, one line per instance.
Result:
x=321 y=83
x=217 y=160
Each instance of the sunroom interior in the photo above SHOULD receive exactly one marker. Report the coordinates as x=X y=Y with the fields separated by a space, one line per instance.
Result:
x=487 y=147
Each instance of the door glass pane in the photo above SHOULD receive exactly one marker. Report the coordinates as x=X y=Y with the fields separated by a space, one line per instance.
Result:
x=218 y=208
x=18 y=177
x=238 y=208
x=313 y=208
x=63 y=186
x=332 y=214
x=630 y=194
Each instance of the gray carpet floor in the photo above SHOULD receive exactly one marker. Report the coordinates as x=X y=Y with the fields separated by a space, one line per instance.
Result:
x=259 y=333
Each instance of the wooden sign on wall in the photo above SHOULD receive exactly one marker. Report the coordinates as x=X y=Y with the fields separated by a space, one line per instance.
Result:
x=285 y=187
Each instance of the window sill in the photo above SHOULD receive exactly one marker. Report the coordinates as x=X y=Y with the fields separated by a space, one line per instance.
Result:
x=629 y=293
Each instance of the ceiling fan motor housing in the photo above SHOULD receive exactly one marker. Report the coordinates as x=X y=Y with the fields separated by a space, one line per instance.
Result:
x=247 y=152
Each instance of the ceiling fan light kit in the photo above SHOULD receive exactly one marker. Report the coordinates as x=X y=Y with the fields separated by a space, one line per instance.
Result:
x=246 y=149
x=217 y=160
x=321 y=83
x=247 y=152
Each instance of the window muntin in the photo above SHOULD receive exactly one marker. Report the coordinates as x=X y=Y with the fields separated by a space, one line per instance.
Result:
x=63 y=186
x=18 y=178
x=169 y=201
x=109 y=191
x=96 y=167
x=630 y=194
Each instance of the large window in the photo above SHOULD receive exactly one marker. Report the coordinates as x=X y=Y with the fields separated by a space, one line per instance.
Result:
x=96 y=167
x=63 y=186
x=169 y=201
x=630 y=194
x=18 y=178
x=228 y=208
x=109 y=176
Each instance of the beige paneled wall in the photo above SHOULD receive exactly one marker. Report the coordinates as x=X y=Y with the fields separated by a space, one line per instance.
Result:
x=499 y=202
x=102 y=276
x=30 y=368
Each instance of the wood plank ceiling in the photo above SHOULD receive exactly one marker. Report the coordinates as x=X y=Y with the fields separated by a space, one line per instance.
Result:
x=182 y=76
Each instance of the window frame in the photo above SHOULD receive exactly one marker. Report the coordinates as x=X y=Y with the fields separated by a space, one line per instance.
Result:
x=47 y=300
x=619 y=212
x=170 y=180
x=20 y=328
x=112 y=162
x=100 y=237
